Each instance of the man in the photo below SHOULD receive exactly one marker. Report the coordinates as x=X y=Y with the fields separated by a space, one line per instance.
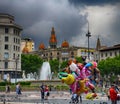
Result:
x=113 y=94
x=42 y=91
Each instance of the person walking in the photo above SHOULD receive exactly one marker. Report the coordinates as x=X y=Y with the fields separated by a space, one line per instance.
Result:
x=113 y=94
x=7 y=88
x=18 y=89
x=42 y=88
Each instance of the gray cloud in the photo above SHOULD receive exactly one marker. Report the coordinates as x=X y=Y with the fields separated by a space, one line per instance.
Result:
x=93 y=2
x=37 y=17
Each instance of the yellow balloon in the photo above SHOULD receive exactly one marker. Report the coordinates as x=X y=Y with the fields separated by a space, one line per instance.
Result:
x=82 y=87
x=69 y=79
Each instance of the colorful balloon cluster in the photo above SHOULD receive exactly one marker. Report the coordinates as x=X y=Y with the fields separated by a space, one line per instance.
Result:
x=81 y=78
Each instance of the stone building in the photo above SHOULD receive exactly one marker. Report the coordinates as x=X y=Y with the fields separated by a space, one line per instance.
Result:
x=103 y=52
x=62 y=53
x=10 y=39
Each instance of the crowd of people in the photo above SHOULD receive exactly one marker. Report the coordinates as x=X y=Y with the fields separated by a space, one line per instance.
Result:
x=81 y=78
x=18 y=89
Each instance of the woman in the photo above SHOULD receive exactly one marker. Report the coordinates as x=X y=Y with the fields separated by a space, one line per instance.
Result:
x=18 y=89
x=46 y=92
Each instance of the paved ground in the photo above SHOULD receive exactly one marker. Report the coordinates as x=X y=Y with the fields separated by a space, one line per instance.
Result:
x=54 y=98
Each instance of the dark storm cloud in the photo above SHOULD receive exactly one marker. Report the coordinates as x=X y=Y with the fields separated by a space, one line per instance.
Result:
x=37 y=17
x=93 y=2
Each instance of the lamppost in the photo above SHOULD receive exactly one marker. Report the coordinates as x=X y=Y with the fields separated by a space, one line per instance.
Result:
x=88 y=35
x=16 y=62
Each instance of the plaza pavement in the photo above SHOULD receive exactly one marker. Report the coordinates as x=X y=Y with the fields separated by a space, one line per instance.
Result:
x=56 y=97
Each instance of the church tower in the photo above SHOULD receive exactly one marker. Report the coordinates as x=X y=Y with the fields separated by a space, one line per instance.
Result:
x=53 y=40
x=98 y=45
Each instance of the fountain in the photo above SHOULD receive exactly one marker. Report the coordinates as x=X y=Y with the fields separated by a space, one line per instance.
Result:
x=45 y=72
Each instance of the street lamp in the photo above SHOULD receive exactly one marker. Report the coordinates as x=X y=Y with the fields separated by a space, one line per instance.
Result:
x=16 y=62
x=88 y=35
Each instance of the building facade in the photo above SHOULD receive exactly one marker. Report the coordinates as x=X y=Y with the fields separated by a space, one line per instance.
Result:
x=10 y=41
x=109 y=52
x=27 y=44
x=62 y=53
x=104 y=52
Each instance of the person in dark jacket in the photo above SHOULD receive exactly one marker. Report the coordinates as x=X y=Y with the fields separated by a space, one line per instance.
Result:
x=113 y=94
x=42 y=89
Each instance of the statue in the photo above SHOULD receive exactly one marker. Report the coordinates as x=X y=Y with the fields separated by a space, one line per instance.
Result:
x=23 y=75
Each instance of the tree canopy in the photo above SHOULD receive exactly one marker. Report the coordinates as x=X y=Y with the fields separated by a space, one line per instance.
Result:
x=110 y=65
x=30 y=63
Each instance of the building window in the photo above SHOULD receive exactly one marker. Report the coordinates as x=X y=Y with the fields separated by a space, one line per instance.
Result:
x=6 y=46
x=6 y=30
x=110 y=53
x=6 y=55
x=101 y=54
x=57 y=53
x=14 y=47
x=6 y=65
x=6 y=39
x=106 y=54
x=51 y=54
x=13 y=55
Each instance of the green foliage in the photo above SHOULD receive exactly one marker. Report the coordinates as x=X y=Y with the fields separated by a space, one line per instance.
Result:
x=30 y=63
x=79 y=59
x=62 y=87
x=24 y=83
x=54 y=64
x=4 y=83
x=110 y=65
x=63 y=64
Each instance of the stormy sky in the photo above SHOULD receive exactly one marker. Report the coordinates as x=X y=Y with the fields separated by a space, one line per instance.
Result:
x=69 y=18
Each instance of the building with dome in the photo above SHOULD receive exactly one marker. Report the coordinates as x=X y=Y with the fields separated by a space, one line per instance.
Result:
x=62 y=53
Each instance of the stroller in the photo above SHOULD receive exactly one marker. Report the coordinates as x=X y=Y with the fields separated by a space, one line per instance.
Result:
x=74 y=99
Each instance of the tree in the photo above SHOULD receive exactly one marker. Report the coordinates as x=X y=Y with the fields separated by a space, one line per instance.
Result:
x=63 y=64
x=79 y=59
x=30 y=63
x=110 y=65
x=54 y=64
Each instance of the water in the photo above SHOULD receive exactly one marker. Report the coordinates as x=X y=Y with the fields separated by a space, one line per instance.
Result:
x=45 y=72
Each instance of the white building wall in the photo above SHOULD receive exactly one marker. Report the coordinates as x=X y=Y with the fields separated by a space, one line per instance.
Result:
x=8 y=21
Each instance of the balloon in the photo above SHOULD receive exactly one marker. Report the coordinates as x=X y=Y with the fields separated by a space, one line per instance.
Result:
x=74 y=68
x=66 y=78
x=88 y=65
x=80 y=77
x=82 y=88
x=69 y=79
x=62 y=74
x=80 y=66
x=94 y=64
x=76 y=85
x=91 y=96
